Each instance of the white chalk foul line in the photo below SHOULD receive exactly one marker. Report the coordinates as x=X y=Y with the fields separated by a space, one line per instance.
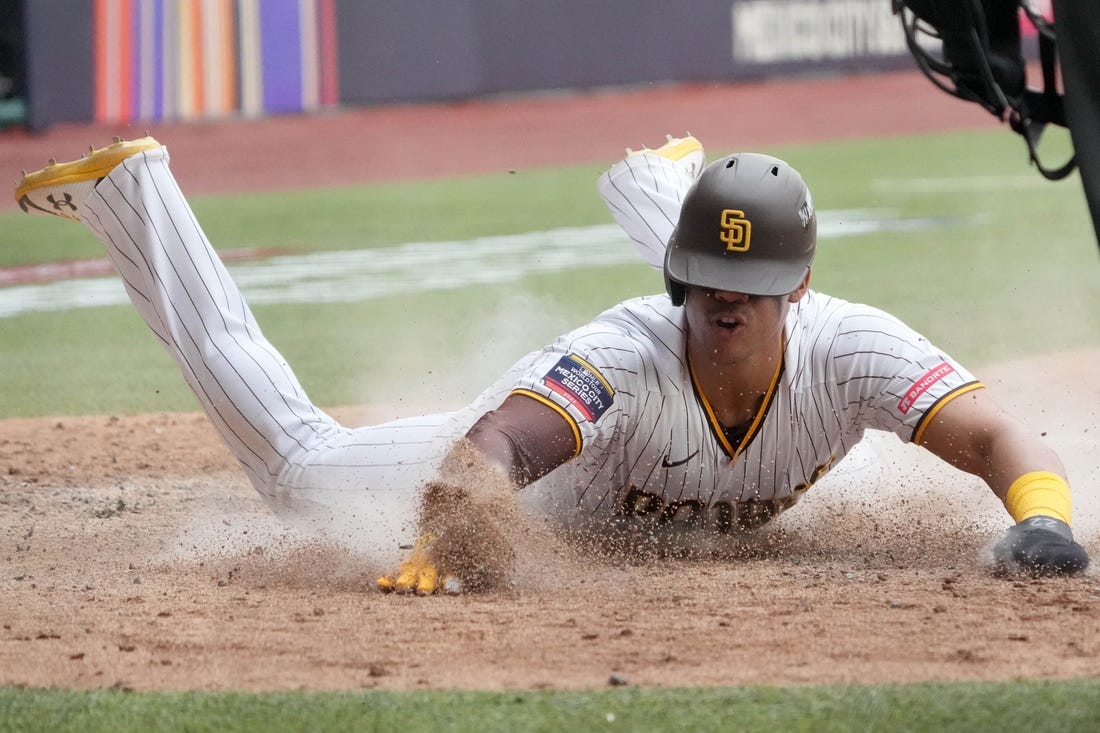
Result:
x=364 y=274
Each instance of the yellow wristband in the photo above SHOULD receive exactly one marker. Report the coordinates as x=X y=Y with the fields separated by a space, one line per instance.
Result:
x=1039 y=493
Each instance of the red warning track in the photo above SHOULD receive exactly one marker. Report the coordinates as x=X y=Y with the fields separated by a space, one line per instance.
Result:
x=406 y=142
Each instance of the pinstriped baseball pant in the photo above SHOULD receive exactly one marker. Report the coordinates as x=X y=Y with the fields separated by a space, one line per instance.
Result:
x=309 y=468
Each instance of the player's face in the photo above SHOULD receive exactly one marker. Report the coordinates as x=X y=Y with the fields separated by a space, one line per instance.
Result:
x=731 y=328
x=728 y=328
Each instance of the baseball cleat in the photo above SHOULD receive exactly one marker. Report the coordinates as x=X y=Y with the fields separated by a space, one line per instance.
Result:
x=60 y=189
x=685 y=151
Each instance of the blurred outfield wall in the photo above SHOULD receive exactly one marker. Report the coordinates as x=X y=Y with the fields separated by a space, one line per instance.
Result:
x=119 y=61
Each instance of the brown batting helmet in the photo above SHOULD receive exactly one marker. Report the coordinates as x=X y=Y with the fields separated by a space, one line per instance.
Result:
x=747 y=225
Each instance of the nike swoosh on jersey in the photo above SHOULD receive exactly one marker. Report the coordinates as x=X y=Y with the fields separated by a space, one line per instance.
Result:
x=665 y=463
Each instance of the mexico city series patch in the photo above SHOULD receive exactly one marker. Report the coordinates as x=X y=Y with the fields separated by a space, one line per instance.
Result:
x=582 y=384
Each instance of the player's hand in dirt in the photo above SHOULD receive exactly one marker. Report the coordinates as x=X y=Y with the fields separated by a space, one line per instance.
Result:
x=419 y=573
x=1039 y=546
x=469 y=522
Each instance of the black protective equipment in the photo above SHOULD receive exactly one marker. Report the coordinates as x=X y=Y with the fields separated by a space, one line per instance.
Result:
x=1039 y=546
x=979 y=58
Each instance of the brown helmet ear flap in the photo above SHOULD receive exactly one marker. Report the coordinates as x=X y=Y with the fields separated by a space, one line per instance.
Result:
x=676 y=291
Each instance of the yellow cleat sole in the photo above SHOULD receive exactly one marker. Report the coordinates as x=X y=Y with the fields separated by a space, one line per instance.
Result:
x=95 y=164
x=677 y=148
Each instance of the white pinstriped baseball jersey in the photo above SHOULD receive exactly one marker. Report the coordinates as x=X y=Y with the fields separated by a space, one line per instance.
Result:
x=651 y=446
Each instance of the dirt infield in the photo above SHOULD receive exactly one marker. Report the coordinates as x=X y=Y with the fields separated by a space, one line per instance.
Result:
x=135 y=555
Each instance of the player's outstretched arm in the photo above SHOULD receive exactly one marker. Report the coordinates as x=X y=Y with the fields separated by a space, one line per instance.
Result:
x=974 y=434
x=468 y=516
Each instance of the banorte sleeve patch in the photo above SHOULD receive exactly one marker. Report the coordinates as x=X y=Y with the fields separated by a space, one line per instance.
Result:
x=923 y=384
x=582 y=384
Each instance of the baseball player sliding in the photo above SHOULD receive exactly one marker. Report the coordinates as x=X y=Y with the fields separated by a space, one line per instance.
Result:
x=704 y=411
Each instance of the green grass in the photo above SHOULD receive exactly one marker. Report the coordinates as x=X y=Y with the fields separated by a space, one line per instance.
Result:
x=350 y=217
x=1023 y=278
x=971 y=707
